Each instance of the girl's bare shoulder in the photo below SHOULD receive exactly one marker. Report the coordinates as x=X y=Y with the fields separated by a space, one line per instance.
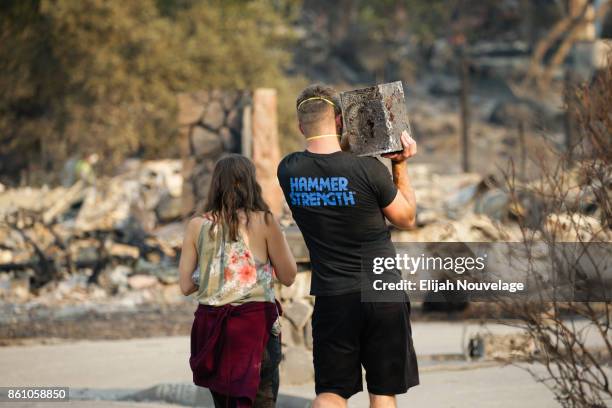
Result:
x=196 y=222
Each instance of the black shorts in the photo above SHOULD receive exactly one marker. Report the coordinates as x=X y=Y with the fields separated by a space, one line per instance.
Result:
x=348 y=334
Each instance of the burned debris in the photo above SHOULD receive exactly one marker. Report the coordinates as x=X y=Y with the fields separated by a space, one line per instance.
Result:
x=105 y=234
x=374 y=119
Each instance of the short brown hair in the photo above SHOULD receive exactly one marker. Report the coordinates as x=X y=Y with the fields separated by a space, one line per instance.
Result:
x=312 y=111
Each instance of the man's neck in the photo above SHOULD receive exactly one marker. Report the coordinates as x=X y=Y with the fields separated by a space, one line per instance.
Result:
x=323 y=145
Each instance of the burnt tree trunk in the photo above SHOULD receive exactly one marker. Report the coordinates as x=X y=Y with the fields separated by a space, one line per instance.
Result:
x=465 y=110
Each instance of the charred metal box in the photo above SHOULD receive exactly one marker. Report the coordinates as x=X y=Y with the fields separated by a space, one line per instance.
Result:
x=374 y=119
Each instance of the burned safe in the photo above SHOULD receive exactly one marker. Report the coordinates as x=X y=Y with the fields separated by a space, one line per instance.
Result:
x=374 y=119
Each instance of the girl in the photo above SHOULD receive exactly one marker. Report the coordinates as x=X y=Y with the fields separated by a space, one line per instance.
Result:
x=236 y=247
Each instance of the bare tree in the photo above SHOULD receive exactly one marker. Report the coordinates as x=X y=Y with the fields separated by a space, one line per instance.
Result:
x=572 y=334
x=564 y=33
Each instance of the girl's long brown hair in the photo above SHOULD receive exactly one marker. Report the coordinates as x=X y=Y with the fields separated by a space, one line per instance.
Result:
x=233 y=187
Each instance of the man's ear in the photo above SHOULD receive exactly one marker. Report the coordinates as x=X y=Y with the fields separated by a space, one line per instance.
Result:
x=301 y=128
x=339 y=123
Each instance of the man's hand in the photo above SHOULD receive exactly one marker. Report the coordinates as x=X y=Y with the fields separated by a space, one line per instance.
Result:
x=410 y=149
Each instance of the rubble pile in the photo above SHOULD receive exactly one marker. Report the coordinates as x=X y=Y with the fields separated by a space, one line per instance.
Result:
x=462 y=207
x=502 y=347
x=91 y=241
x=468 y=207
x=124 y=233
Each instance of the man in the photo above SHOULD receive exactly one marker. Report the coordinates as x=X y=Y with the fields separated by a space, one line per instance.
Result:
x=340 y=202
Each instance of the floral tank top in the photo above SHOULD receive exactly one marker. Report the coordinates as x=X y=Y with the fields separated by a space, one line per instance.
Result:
x=229 y=273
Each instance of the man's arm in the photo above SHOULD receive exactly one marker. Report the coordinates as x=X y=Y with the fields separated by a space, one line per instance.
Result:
x=402 y=210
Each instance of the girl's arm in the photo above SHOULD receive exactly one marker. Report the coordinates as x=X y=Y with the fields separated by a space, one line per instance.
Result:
x=279 y=253
x=189 y=257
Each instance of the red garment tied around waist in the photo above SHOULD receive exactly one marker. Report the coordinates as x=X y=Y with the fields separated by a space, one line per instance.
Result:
x=227 y=345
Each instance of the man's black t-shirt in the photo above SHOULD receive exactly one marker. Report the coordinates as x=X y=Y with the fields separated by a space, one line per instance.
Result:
x=336 y=200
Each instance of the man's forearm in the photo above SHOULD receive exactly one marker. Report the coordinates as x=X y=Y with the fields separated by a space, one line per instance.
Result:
x=402 y=182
